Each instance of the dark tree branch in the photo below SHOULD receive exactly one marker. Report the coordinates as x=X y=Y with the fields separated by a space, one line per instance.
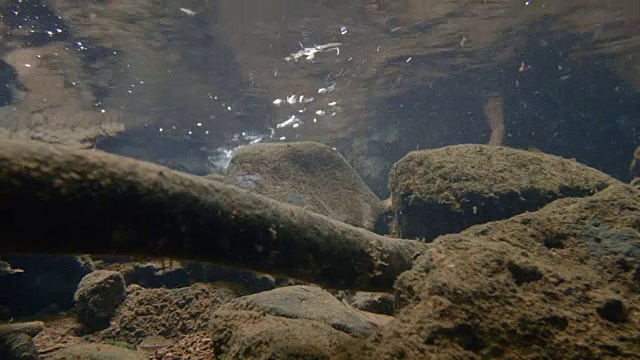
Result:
x=60 y=200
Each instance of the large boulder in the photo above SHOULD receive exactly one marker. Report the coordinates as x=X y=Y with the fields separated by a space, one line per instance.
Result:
x=307 y=174
x=559 y=283
x=442 y=191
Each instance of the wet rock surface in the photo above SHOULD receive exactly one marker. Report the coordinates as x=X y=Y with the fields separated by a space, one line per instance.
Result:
x=153 y=274
x=171 y=274
x=170 y=313
x=18 y=346
x=445 y=190
x=304 y=302
x=97 y=352
x=538 y=284
x=253 y=336
x=16 y=340
x=559 y=282
x=98 y=296
x=291 y=322
x=379 y=303
x=306 y=174
x=155 y=345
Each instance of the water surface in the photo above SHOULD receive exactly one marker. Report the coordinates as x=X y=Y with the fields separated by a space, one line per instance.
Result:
x=194 y=80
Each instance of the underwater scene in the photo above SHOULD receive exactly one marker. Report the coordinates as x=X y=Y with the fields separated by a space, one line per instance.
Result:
x=319 y=179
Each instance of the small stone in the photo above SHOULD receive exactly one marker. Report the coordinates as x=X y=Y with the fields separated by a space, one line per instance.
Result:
x=614 y=310
x=379 y=303
x=98 y=296
x=161 y=353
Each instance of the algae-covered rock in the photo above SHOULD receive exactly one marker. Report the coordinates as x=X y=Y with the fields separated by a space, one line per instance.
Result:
x=295 y=322
x=171 y=313
x=559 y=283
x=307 y=174
x=251 y=335
x=98 y=296
x=446 y=190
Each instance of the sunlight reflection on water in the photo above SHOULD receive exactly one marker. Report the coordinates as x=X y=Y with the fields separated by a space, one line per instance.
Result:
x=192 y=81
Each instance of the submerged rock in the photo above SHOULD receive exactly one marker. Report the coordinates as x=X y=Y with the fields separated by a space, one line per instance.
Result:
x=306 y=174
x=561 y=282
x=301 y=322
x=446 y=190
x=170 y=313
x=18 y=346
x=156 y=275
x=98 y=352
x=98 y=296
x=155 y=345
x=536 y=285
x=379 y=303
x=31 y=328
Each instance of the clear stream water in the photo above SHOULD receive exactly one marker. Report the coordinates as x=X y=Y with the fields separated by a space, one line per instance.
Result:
x=194 y=80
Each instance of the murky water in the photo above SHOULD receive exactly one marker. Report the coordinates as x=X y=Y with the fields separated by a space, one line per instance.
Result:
x=193 y=80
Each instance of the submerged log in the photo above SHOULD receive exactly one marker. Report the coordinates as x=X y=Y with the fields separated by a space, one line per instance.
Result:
x=55 y=199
